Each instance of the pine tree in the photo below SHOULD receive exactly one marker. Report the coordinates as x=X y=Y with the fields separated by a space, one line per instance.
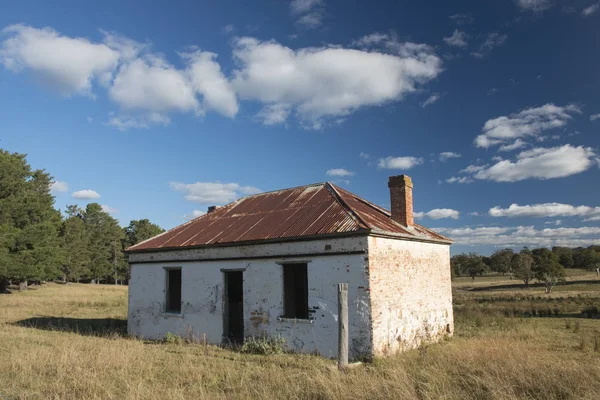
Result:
x=29 y=223
x=75 y=244
x=105 y=237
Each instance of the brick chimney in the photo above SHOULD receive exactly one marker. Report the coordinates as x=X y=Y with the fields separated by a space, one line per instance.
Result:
x=401 y=199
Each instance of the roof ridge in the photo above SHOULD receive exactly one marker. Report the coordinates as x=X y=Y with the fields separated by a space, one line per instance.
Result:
x=279 y=190
x=353 y=214
x=367 y=202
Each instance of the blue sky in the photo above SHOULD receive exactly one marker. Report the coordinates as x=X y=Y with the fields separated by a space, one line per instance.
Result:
x=163 y=110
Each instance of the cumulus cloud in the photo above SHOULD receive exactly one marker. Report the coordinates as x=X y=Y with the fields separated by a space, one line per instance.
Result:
x=85 y=194
x=329 y=81
x=594 y=117
x=431 y=100
x=534 y=5
x=525 y=123
x=213 y=192
x=399 y=162
x=541 y=163
x=591 y=9
x=109 y=209
x=523 y=236
x=65 y=64
x=314 y=84
x=545 y=210
x=439 y=213
x=142 y=83
x=339 y=172
x=446 y=155
x=207 y=79
x=152 y=84
x=457 y=39
x=59 y=186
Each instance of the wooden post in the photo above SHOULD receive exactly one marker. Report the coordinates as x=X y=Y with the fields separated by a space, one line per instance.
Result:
x=204 y=343
x=342 y=325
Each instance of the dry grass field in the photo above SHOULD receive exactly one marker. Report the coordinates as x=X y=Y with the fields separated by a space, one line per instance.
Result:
x=68 y=342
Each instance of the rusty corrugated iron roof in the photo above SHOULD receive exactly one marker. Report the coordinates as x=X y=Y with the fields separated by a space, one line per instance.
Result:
x=312 y=210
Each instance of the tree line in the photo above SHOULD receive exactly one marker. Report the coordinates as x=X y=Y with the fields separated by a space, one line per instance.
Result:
x=38 y=243
x=544 y=265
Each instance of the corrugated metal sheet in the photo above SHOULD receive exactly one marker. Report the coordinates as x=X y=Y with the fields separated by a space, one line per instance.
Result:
x=303 y=211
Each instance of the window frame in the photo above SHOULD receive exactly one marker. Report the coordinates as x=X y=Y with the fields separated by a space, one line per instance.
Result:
x=168 y=309
x=286 y=315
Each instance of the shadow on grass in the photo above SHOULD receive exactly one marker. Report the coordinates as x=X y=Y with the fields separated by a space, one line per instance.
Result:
x=531 y=285
x=103 y=327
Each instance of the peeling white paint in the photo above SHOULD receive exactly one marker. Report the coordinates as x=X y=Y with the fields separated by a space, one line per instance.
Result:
x=202 y=299
x=399 y=293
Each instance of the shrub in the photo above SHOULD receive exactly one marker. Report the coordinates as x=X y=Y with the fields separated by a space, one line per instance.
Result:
x=171 y=338
x=264 y=346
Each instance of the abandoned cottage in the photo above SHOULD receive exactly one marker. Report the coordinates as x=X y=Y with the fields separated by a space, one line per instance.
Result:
x=268 y=265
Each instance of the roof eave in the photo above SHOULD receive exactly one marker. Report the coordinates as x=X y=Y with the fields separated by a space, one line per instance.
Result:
x=360 y=232
x=413 y=238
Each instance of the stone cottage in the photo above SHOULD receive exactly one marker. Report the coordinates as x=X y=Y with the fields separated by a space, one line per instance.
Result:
x=268 y=265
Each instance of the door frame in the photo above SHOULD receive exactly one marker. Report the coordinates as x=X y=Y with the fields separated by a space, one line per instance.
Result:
x=226 y=273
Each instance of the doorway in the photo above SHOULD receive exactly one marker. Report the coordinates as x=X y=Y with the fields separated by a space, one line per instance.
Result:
x=233 y=317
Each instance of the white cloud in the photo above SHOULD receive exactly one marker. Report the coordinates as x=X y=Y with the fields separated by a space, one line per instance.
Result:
x=309 y=13
x=143 y=84
x=194 y=214
x=431 y=100
x=541 y=163
x=462 y=19
x=339 y=172
x=85 y=194
x=67 y=65
x=399 y=162
x=59 y=186
x=373 y=39
x=471 y=169
x=153 y=85
x=491 y=41
x=125 y=122
x=207 y=79
x=558 y=222
x=594 y=117
x=517 y=144
x=523 y=236
x=213 y=192
x=458 y=39
x=534 y=5
x=591 y=9
x=439 y=213
x=528 y=122
x=446 y=155
x=364 y=156
x=329 y=81
x=459 y=179
x=109 y=209
x=274 y=114
x=545 y=210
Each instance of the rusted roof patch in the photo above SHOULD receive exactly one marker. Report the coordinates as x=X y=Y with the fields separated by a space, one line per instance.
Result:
x=306 y=211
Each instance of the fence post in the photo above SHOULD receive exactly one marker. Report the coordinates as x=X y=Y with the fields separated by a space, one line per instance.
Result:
x=342 y=325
